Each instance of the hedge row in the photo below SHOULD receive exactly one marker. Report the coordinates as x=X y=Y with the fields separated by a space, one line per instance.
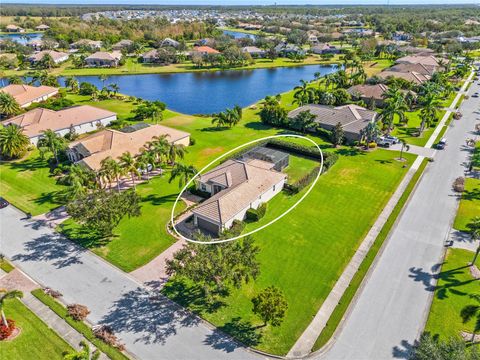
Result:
x=235 y=230
x=256 y=214
x=301 y=183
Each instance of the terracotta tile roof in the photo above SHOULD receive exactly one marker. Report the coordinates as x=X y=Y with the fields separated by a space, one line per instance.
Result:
x=205 y=49
x=114 y=143
x=368 y=91
x=418 y=68
x=25 y=94
x=249 y=182
x=37 y=120
x=353 y=118
x=412 y=76
x=56 y=55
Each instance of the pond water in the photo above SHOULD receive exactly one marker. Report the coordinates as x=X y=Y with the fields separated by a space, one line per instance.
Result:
x=238 y=34
x=211 y=92
x=22 y=38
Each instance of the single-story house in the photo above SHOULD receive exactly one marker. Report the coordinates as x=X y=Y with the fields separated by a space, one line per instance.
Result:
x=82 y=118
x=417 y=59
x=169 y=42
x=25 y=95
x=286 y=49
x=416 y=50
x=14 y=28
x=235 y=187
x=411 y=76
x=91 y=150
x=57 y=56
x=150 y=56
x=367 y=92
x=104 y=59
x=122 y=44
x=353 y=118
x=254 y=51
x=325 y=48
x=86 y=43
x=418 y=67
x=204 y=50
x=42 y=27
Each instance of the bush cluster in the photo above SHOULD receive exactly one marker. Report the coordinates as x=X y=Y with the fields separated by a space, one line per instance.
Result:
x=256 y=214
x=235 y=230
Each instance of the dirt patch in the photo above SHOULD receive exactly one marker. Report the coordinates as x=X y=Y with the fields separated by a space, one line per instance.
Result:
x=14 y=334
x=211 y=151
x=469 y=337
x=180 y=120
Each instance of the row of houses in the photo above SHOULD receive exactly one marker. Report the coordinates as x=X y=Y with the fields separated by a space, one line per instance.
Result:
x=18 y=29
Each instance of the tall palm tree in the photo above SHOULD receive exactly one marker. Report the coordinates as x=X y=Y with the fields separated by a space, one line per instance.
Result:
x=429 y=112
x=474 y=229
x=8 y=105
x=405 y=147
x=146 y=162
x=115 y=88
x=370 y=133
x=51 y=141
x=176 y=151
x=79 y=180
x=13 y=142
x=103 y=78
x=85 y=353
x=129 y=166
x=303 y=93
x=4 y=295
x=183 y=172
x=159 y=146
x=112 y=170
x=394 y=105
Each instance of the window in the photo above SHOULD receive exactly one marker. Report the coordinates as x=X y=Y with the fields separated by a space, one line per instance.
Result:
x=203 y=187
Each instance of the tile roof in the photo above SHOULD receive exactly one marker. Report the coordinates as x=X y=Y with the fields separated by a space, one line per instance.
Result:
x=368 y=91
x=103 y=55
x=353 y=118
x=37 y=120
x=412 y=76
x=418 y=68
x=248 y=182
x=56 y=55
x=417 y=59
x=205 y=49
x=25 y=94
x=114 y=143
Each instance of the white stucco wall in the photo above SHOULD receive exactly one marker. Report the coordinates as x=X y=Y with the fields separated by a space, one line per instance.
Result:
x=39 y=99
x=80 y=129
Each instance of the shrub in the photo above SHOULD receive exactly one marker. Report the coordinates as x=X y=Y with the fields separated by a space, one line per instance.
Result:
x=192 y=141
x=6 y=331
x=105 y=333
x=78 y=312
x=261 y=210
x=372 y=145
x=459 y=184
x=251 y=215
x=235 y=230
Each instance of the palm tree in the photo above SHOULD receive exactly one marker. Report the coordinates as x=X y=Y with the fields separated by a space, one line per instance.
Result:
x=159 y=146
x=8 y=105
x=404 y=146
x=370 y=133
x=183 y=172
x=83 y=354
x=78 y=179
x=303 y=93
x=472 y=311
x=112 y=170
x=128 y=164
x=146 y=162
x=474 y=229
x=394 y=105
x=4 y=295
x=72 y=83
x=221 y=119
x=51 y=141
x=115 y=88
x=430 y=104
x=174 y=151
x=13 y=142
x=272 y=100
x=103 y=78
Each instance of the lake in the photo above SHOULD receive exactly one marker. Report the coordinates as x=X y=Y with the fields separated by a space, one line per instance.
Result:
x=22 y=38
x=238 y=34
x=211 y=92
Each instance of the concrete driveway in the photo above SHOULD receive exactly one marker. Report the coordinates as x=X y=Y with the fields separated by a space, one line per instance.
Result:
x=150 y=327
x=393 y=306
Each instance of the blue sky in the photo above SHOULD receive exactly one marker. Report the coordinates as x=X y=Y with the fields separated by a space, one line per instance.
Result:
x=244 y=2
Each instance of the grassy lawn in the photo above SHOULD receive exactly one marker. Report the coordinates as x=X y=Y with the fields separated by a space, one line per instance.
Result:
x=476 y=157
x=452 y=295
x=305 y=252
x=27 y=184
x=36 y=340
x=298 y=167
x=408 y=132
x=132 y=66
x=469 y=204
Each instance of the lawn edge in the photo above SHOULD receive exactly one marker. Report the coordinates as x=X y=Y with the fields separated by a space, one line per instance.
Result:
x=323 y=345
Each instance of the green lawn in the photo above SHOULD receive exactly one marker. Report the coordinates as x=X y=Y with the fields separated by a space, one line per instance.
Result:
x=306 y=252
x=469 y=204
x=298 y=167
x=454 y=286
x=28 y=185
x=476 y=157
x=36 y=340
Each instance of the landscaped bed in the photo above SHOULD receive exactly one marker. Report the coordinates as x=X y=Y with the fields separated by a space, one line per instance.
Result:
x=35 y=341
x=454 y=286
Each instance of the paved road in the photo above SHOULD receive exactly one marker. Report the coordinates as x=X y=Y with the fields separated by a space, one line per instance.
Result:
x=391 y=310
x=150 y=329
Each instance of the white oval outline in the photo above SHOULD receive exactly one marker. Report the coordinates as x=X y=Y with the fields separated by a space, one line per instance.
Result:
x=263 y=226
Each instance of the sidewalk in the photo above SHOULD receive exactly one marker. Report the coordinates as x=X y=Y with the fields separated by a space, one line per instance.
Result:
x=17 y=280
x=305 y=342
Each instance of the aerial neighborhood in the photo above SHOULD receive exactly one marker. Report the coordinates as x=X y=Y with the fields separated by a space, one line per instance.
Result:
x=262 y=181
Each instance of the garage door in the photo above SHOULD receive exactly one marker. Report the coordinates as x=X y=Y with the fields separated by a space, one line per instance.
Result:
x=208 y=226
